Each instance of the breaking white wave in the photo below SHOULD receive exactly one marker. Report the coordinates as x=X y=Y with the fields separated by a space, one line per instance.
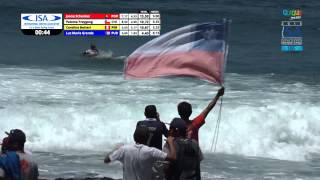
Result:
x=107 y=55
x=87 y=110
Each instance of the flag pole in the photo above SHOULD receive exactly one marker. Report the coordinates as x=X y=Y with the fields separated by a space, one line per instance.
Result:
x=226 y=23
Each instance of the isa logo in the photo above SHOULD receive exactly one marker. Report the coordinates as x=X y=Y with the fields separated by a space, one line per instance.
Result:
x=41 y=17
x=292 y=13
x=41 y=21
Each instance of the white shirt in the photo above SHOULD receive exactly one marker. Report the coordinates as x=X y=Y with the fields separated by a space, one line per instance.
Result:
x=29 y=168
x=2 y=173
x=137 y=160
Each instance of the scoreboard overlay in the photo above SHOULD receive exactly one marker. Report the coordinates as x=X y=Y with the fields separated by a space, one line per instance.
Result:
x=143 y=23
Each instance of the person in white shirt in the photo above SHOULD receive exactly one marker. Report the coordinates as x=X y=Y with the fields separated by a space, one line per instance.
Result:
x=138 y=158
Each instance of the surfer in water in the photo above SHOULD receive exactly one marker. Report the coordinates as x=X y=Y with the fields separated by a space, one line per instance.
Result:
x=92 y=52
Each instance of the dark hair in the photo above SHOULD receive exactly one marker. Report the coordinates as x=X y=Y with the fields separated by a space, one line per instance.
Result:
x=5 y=145
x=150 y=111
x=141 y=134
x=179 y=127
x=184 y=110
x=17 y=138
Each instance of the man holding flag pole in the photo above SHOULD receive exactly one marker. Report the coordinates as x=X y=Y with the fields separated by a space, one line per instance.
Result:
x=198 y=50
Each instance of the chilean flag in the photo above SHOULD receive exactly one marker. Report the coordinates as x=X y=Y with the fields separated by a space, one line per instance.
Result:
x=197 y=50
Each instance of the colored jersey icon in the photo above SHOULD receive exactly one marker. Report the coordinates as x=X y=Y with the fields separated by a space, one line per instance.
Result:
x=291 y=31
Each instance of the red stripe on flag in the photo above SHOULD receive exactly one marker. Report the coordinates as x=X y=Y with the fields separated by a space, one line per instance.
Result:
x=201 y=64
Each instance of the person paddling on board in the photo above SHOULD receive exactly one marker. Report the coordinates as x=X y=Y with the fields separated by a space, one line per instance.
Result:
x=93 y=51
x=193 y=126
x=137 y=159
x=94 y=48
x=155 y=126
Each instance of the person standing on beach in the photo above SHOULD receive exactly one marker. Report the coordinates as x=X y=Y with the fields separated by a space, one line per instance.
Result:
x=187 y=164
x=8 y=160
x=193 y=126
x=4 y=145
x=138 y=159
x=17 y=164
x=155 y=126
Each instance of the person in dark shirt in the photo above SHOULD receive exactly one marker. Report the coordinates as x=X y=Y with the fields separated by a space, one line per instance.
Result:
x=155 y=126
x=188 y=154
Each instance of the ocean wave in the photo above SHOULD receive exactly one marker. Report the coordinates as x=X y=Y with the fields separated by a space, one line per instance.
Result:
x=89 y=111
x=108 y=55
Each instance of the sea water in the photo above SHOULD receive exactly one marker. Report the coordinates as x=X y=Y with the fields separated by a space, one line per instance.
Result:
x=74 y=110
